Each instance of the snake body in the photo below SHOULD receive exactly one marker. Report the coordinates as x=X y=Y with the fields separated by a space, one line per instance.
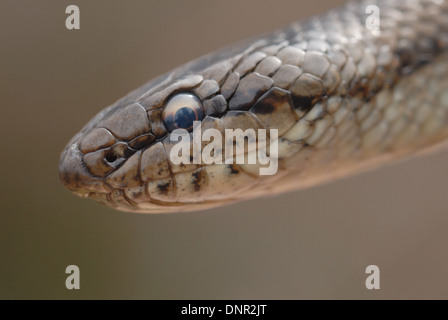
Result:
x=344 y=97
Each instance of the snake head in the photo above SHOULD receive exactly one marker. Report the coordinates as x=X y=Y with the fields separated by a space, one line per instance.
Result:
x=121 y=150
x=121 y=158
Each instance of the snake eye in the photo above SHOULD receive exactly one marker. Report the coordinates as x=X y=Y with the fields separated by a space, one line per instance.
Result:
x=181 y=110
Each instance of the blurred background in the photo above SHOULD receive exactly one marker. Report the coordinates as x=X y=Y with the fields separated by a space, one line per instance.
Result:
x=310 y=244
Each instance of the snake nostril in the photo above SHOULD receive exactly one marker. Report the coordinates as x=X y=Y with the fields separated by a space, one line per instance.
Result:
x=111 y=157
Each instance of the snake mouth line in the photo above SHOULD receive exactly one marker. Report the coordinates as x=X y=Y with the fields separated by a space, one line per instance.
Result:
x=127 y=205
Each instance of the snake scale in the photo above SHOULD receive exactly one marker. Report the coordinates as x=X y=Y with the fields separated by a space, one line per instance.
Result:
x=344 y=98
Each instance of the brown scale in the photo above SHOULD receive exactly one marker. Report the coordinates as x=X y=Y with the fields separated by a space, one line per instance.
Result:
x=249 y=89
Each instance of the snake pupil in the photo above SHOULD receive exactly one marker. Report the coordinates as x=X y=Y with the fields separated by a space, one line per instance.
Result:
x=184 y=118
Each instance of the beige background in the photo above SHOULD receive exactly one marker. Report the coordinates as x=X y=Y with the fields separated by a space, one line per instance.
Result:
x=310 y=244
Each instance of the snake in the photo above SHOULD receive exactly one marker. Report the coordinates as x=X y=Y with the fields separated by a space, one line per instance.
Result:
x=348 y=90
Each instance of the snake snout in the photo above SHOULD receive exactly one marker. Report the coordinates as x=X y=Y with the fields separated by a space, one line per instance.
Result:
x=74 y=175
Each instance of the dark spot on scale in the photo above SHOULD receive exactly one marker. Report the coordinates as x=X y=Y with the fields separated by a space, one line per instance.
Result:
x=138 y=194
x=233 y=169
x=197 y=181
x=407 y=59
x=270 y=100
x=163 y=188
x=142 y=141
x=266 y=107
x=303 y=103
x=306 y=91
